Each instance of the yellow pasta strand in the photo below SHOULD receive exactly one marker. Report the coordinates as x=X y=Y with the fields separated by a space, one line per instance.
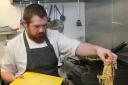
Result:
x=107 y=76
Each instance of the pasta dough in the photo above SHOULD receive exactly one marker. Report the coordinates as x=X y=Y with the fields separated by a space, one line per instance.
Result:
x=107 y=76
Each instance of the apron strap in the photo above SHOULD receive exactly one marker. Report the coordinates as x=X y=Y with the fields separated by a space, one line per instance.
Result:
x=25 y=41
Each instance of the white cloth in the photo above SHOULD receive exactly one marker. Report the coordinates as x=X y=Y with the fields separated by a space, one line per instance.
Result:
x=15 y=56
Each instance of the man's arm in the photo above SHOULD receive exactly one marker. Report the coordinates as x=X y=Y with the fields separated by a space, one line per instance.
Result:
x=7 y=76
x=86 y=49
x=8 y=66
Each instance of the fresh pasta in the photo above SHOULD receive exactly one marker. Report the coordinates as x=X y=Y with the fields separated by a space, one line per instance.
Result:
x=107 y=76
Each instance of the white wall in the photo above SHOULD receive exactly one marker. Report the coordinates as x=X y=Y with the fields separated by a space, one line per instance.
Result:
x=71 y=12
x=11 y=15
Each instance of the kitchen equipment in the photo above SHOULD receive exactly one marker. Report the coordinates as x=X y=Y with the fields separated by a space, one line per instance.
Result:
x=30 y=2
x=62 y=17
x=84 y=71
x=56 y=25
x=21 y=13
x=119 y=47
x=78 y=22
x=49 y=13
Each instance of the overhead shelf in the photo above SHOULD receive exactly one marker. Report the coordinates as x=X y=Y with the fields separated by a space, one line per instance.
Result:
x=7 y=30
x=44 y=1
x=8 y=33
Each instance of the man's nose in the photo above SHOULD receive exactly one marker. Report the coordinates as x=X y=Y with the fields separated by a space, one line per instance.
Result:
x=41 y=29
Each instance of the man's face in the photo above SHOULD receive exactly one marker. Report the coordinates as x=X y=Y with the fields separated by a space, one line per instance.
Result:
x=36 y=29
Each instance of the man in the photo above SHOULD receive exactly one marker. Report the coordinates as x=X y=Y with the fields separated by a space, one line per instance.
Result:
x=37 y=49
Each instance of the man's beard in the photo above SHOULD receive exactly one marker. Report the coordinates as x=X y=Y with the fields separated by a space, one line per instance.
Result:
x=38 y=38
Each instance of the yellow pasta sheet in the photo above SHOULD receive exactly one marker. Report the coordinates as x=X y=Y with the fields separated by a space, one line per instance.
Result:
x=31 y=78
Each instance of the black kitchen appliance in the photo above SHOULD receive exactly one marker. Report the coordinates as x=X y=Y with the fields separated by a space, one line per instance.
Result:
x=84 y=71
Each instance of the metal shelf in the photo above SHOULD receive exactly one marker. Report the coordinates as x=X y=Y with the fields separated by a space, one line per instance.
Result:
x=45 y=1
x=8 y=33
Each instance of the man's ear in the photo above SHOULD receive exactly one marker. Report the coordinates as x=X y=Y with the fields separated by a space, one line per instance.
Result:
x=24 y=24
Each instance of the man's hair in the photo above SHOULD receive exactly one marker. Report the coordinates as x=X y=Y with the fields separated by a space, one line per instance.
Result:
x=32 y=10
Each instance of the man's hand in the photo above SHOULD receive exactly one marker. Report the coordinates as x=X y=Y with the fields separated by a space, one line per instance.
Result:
x=9 y=77
x=19 y=76
x=106 y=55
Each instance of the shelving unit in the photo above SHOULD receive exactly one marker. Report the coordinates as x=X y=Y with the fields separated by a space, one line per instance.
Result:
x=44 y=1
x=8 y=33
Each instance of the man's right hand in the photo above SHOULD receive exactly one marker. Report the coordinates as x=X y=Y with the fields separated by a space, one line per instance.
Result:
x=9 y=77
x=19 y=76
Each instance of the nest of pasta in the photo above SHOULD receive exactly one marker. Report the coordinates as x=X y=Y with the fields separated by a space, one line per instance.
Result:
x=107 y=76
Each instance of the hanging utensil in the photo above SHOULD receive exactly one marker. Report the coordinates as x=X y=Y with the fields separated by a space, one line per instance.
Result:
x=30 y=1
x=46 y=6
x=56 y=25
x=21 y=13
x=78 y=22
x=49 y=13
x=62 y=17
x=38 y=2
x=55 y=11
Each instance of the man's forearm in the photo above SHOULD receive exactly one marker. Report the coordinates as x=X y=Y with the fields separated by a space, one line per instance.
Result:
x=86 y=49
x=7 y=76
